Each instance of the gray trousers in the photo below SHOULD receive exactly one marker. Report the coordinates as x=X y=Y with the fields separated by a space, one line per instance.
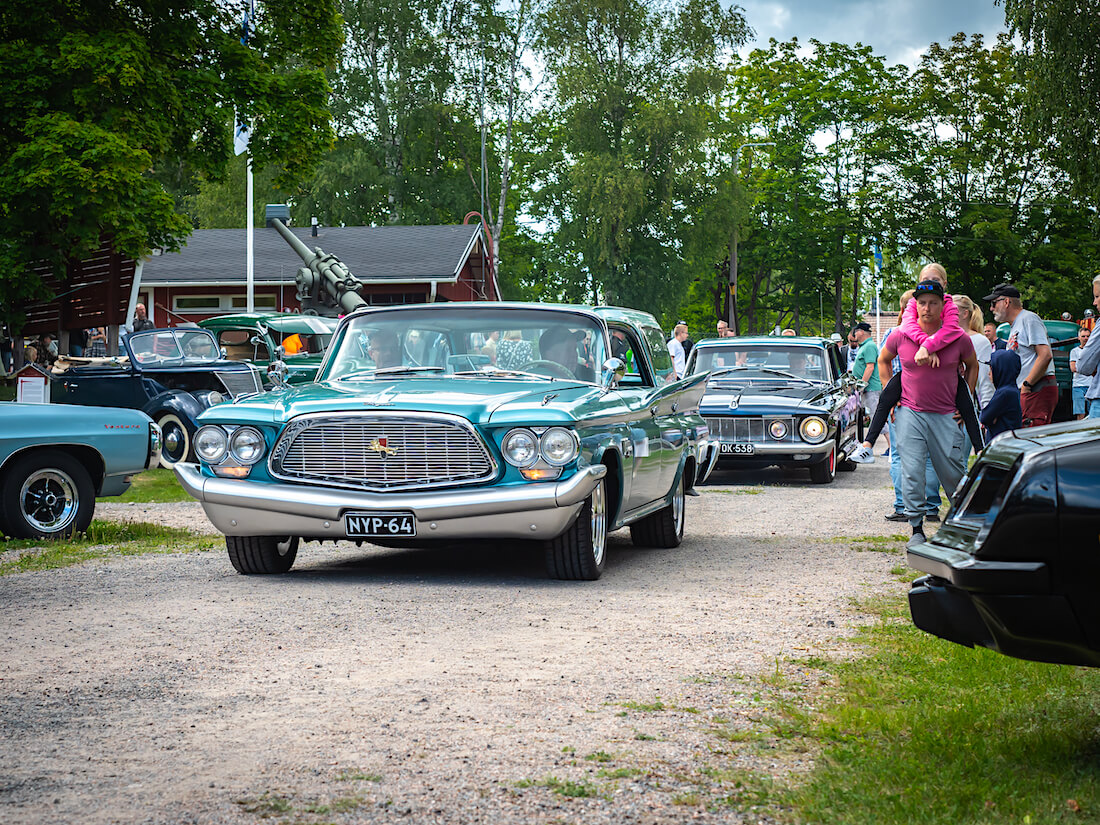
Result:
x=926 y=436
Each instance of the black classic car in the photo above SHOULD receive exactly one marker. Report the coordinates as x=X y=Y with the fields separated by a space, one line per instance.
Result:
x=1014 y=566
x=171 y=375
x=783 y=401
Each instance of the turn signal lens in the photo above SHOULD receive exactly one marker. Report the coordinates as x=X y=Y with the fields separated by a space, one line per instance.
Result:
x=246 y=445
x=541 y=473
x=211 y=444
x=813 y=429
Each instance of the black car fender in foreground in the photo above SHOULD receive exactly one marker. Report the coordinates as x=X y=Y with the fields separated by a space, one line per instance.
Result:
x=1016 y=565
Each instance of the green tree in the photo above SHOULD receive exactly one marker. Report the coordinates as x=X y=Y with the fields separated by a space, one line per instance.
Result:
x=979 y=191
x=95 y=95
x=635 y=88
x=1062 y=39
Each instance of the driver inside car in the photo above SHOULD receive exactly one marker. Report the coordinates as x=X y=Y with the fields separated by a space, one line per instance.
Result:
x=384 y=349
x=559 y=344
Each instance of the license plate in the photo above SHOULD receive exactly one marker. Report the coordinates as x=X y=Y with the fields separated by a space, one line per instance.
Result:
x=373 y=525
x=737 y=449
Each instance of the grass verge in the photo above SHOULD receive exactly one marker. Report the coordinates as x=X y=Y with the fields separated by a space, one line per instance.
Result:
x=156 y=486
x=103 y=539
x=922 y=730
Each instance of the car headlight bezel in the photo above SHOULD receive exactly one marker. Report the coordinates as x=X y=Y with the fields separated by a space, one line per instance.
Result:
x=808 y=426
x=561 y=459
x=240 y=452
x=778 y=429
x=220 y=442
x=506 y=447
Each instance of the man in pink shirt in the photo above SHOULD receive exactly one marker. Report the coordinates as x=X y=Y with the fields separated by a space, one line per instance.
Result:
x=926 y=426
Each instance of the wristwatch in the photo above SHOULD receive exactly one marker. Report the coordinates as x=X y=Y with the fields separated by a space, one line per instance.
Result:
x=1028 y=384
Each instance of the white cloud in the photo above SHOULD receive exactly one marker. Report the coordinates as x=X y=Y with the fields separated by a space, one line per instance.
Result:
x=901 y=30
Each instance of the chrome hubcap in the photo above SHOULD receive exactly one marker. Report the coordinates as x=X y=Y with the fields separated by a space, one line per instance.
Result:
x=48 y=500
x=599 y=524
x=172 y=440
x=678 y=507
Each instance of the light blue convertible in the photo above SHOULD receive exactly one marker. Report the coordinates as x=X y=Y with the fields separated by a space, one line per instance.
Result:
x=425 y=427
x=55 y=460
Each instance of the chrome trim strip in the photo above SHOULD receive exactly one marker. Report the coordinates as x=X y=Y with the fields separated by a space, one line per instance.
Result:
x=304 y=422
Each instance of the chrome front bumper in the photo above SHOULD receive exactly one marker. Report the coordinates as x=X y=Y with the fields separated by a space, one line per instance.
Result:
x=254 y=508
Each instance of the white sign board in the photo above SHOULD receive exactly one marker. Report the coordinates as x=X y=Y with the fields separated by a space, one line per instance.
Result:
x=33 y=389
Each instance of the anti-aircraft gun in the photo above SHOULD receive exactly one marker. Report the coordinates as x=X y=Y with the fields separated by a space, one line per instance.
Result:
x=324 y=284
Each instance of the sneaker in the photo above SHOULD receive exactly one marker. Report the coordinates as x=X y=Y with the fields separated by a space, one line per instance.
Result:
x=932 y=515
x=897 y=515
x=917 y=538
x=862 y=455
x=885 y=452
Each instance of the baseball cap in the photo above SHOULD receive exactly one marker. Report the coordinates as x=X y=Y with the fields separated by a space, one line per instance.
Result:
x=863 y=325
x=926 y=287
x=1002 y=291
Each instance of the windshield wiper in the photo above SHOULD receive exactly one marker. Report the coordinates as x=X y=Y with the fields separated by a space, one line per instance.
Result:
x=769 y=370
x=406 y=370
x=496 y=372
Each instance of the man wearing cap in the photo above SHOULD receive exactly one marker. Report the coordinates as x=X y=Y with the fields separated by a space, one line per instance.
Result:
x=925 y=424
x=1028 y=338
x=864 y=366
x=676 y=349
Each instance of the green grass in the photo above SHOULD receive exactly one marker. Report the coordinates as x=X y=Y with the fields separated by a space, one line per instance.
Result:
x=646 y=707
x=922 y=730
x=103 y=539
x=156 y=486
x=874 y=544
x=743 y=491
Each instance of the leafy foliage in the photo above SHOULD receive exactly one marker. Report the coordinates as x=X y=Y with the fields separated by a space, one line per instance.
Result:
x=94 y=95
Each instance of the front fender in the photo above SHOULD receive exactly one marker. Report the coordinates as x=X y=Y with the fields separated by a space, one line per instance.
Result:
x=181 y=403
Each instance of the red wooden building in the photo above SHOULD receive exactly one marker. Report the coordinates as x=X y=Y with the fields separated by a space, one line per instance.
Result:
x=397 y=265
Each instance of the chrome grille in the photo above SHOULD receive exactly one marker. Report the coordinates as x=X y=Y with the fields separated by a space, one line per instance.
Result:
x=749 y=430
x=381 y=451
x=239 y=382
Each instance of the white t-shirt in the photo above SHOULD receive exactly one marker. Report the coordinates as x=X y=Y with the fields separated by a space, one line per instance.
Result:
x=983 y=350
x=679 y=362
x=1078 y=379
x=1027 y=331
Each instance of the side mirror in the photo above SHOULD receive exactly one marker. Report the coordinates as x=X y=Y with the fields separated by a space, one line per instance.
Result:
x=257 y=341
x=225 y=353
x=277 y=370
x=613 y=371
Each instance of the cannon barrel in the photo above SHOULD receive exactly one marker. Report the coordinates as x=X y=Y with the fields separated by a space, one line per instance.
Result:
x=325 y=285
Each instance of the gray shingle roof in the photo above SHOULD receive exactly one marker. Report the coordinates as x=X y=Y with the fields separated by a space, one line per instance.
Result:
x=382 y=254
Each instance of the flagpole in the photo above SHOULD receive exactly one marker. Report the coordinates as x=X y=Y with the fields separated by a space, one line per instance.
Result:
x=250 y=257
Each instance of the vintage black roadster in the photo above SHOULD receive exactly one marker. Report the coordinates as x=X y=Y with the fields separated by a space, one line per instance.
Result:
x=1014 y=566
x=171 y=375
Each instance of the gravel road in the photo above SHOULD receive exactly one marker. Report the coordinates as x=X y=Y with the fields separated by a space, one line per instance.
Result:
x=374 y=685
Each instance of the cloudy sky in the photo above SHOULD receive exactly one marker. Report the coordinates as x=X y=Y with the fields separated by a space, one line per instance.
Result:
x=898 y=29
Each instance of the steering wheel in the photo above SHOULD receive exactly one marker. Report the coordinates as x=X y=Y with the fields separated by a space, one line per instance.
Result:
x=555 y=369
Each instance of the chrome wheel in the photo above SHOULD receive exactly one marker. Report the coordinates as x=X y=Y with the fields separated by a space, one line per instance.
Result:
x=678 y=508
x=48 y=500
x=599 y=524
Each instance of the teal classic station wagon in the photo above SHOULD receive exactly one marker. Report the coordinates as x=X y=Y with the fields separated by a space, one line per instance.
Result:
x=438 y=423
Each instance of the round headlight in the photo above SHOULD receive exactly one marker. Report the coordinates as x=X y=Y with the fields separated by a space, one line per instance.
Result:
x=211 y=444
x=558 y=446
x=520 y=448
x=215 y=397
x=246 y=445
x=813 y=429
x=778 y=430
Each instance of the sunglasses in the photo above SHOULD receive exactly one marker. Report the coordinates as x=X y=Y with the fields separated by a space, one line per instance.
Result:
x=928 y=288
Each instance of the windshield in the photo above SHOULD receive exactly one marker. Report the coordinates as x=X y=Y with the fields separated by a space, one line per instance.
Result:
x=172 y=347
x=468 y=341
x=303 y=335
x=762 y=361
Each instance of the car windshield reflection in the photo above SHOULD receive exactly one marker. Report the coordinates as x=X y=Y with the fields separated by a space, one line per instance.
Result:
x=172 y=347
x=762 y=362
x=470 y=342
